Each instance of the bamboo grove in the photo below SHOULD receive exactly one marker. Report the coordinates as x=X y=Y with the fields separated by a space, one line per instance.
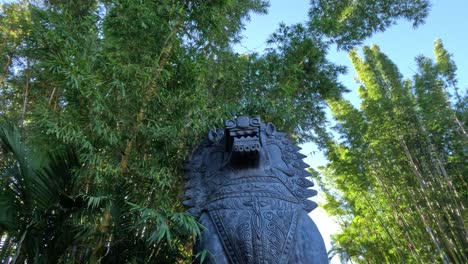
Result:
x=102 y=101
x=396 y=179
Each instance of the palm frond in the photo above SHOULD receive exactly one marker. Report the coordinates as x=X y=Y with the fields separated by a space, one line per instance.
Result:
x=37 y=201
x=8 y=212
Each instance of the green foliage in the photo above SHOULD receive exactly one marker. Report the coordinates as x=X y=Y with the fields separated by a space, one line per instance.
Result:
x=348 y=23
x=396 y=181
x=40 y=201
x=129 y=88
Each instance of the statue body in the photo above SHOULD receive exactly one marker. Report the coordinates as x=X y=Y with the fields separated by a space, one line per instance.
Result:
x=247 y=186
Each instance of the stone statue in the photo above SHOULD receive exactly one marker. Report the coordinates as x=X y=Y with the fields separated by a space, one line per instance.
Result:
x=247 y=186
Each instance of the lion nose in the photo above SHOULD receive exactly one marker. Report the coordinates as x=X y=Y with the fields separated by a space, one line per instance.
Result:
x=243 y=121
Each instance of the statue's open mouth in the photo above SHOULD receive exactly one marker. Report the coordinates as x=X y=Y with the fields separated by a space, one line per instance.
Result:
x=243 y=134
x=246 y=143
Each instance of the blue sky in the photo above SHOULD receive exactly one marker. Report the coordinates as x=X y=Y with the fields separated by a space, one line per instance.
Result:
x=447 y=20
x=402 y=43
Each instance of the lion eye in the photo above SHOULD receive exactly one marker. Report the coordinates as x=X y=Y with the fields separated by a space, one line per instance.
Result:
x=229 y=123
x=255 y=121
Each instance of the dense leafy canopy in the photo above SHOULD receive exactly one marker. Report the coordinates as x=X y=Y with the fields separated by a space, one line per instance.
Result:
x=348 y=22
x=397 y=178
x=110 y=96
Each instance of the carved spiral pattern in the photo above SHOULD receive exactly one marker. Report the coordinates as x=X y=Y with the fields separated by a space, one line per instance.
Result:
x=256 y=230
x=245 y=234
x=277 y=232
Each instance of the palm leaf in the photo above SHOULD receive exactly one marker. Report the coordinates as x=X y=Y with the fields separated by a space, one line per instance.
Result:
x=38 y=198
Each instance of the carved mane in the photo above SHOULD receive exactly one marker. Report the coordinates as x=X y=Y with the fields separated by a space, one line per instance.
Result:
x=281 y=163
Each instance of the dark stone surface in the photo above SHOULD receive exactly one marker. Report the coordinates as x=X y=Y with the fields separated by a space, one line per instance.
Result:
x=247 y=185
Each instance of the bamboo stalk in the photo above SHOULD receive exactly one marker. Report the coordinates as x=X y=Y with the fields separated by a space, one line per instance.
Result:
x=150 y=91
x=26 y=93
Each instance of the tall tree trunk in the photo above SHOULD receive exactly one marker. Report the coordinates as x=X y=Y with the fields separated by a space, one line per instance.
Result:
x=151 y=89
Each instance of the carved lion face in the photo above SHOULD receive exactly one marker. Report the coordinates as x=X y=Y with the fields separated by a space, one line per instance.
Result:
x=242 y=135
